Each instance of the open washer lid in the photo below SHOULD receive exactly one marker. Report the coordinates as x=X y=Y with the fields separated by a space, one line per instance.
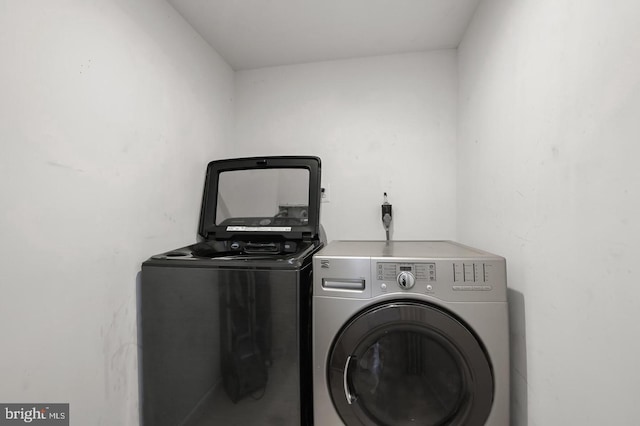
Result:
x=261 y=198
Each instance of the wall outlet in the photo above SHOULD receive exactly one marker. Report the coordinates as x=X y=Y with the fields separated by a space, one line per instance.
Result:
x=324 y=193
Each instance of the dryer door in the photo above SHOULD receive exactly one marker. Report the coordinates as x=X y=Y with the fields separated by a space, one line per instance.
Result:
x=407 y=363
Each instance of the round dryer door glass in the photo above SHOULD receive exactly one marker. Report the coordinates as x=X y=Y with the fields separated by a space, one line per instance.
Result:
x=405 y=363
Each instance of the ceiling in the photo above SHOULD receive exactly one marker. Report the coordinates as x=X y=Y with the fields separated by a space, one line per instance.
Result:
x=261 y=33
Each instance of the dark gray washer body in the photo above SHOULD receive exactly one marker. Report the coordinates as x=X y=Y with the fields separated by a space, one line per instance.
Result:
x=226 y=341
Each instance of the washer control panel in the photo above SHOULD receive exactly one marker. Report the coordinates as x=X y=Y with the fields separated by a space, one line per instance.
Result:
x=406 y=275
x=423 y=270
x=446 y=279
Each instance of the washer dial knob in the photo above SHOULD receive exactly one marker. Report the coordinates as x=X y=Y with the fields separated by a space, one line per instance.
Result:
x=406 y=280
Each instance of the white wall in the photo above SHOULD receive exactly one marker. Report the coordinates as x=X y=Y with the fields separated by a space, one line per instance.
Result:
x=549 y=100
x=109 y=113
x=381 y=124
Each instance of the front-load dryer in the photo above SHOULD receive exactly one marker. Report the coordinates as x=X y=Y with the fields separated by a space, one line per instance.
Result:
x=409 y=333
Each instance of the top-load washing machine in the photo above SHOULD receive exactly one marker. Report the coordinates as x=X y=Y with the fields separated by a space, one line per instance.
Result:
x=409 y=333
x=225 y=322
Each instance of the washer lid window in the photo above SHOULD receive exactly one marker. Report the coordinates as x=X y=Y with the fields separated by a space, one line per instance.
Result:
x=264 y=198
x=406 y=363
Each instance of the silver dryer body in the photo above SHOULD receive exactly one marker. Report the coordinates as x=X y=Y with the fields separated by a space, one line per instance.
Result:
x=409 y=332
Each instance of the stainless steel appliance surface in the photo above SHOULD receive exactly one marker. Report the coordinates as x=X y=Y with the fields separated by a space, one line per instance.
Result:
x=409 y=333
x=225 y=321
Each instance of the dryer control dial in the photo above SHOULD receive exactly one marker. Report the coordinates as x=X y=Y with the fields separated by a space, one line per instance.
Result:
x=406 y=280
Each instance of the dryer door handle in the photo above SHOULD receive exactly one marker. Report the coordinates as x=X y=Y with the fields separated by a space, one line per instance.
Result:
x=345 y=381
